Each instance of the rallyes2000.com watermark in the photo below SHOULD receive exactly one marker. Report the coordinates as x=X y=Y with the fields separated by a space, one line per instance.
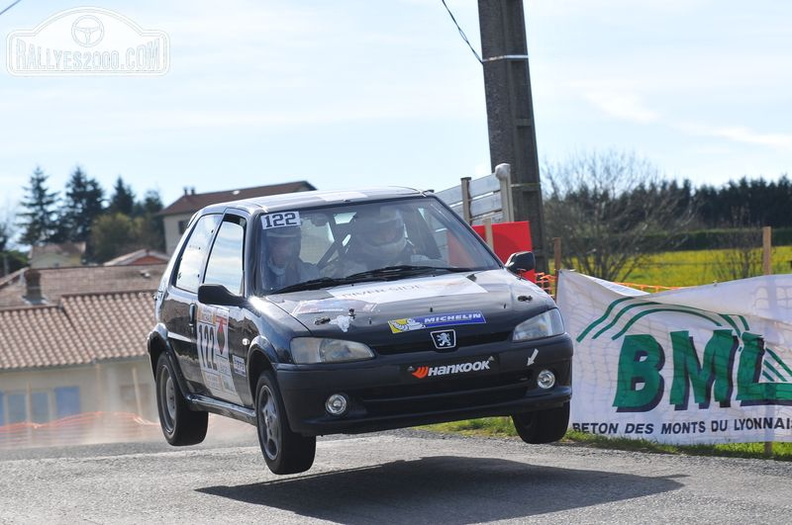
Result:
x=87 y=41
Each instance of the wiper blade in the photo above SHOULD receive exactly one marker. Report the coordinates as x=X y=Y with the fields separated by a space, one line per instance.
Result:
x=390 y=272
x=380 y=274
x=313 y=284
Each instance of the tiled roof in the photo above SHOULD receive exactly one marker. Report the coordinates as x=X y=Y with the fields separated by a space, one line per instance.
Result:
x=138 y=257
x=58 y=282
x=64 y=248
x=192 y=202
x=80 y=330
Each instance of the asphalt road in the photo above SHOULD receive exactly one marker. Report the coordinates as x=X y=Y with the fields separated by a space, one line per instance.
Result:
x=408 y=477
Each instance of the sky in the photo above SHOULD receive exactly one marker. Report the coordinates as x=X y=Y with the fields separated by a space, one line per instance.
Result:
x=350 y=93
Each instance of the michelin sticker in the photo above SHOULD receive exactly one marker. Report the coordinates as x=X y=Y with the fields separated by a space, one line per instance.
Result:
x=398 y=326
x=213 y=357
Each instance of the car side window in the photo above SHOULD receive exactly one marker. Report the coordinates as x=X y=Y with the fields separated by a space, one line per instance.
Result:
x=225 y=264
x=188 y=272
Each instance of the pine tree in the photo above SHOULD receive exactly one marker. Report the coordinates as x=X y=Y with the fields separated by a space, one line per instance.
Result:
x=83 y=205
x=39 y=218
x=123 y=199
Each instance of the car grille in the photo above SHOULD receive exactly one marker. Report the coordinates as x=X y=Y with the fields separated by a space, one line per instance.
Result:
x=433 y=396
x=423 y=346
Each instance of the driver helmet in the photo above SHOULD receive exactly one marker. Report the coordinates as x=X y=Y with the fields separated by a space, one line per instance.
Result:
x=379 y=233
x=283 y=245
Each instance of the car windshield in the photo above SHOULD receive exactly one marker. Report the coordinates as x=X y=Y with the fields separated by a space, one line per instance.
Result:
x=354 y=242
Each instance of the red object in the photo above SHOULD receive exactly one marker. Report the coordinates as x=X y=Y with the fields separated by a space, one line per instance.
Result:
x=508 y=238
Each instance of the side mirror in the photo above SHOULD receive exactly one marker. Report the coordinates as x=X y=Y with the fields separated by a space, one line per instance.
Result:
x=521 y=262
x=219 y=295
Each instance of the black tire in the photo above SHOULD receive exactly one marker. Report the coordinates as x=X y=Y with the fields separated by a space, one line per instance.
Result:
x=180 y=425
x=542 y=426
x=284 y=451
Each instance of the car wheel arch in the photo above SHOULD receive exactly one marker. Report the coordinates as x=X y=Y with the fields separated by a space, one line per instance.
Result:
x=157 y=345
x=260 y=358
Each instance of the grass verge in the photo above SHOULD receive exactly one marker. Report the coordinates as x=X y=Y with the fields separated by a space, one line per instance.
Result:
x=502 y=427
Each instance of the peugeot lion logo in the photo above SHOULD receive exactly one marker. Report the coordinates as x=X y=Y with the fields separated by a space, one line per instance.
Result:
x=444 y=339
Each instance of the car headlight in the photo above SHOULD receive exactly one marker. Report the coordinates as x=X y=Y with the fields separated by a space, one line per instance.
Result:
x=310 y=350
x=543 y=325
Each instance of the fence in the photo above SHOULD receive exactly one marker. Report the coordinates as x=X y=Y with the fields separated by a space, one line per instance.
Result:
x=91 y=427
x=488 y=198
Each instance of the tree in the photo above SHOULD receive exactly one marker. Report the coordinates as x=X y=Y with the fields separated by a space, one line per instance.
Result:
x=152 y=230
x=7 y=230
x=83 y=204
x=10 y=260
x=608 y=209
x=123 y=199
x=39 y=219
x=114 y=234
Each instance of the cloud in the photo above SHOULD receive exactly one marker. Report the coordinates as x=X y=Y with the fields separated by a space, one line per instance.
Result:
x=626 y=106
x=745 y=135
x=739 y=134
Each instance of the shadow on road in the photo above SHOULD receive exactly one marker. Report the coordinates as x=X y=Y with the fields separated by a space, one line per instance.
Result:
x=443 y=489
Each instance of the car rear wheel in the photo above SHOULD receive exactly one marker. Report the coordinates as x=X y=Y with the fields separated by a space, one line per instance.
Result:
x=542 y=426
x=284 y=451
x=180 y=425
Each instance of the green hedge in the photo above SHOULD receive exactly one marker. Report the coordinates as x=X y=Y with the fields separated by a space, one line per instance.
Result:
x=715 y=239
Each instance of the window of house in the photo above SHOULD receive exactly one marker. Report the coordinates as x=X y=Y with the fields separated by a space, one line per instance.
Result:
x=182 y=225
x=133 y=399
x=17 y=407
x=190 y=265
x=67 y=401
x=225 y=261
x=40 y=407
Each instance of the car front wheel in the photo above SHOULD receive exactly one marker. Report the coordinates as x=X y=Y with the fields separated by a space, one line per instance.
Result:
x=542 y=426
x=180 y=425
x=284 y=451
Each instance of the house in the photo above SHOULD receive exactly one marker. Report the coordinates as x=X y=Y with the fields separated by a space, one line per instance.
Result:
x=176 y=216
x=139 y=258
x=57 y=255
x=73 y=340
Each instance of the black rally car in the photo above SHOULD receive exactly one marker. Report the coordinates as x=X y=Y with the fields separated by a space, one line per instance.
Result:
x=318 y=313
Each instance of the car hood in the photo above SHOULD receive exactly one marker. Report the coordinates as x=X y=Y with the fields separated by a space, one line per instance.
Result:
x=376 y=312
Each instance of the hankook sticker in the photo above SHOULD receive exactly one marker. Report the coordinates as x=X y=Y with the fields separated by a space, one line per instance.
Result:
x=470 y=366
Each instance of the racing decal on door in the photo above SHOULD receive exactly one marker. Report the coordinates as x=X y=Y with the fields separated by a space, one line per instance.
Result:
x=212 y=339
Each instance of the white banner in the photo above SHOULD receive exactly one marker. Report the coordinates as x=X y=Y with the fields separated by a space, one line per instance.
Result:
x=709 y=364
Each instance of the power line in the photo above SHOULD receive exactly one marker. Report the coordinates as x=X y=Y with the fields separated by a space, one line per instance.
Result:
x=462 y=33
x=10 y=6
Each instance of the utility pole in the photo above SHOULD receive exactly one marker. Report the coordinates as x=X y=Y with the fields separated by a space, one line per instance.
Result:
x=510 y=118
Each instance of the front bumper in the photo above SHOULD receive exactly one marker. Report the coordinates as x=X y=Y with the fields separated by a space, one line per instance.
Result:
x=398 y=391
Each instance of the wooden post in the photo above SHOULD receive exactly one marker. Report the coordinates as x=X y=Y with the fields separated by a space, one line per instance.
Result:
x=556 y=255
x=767 y=268
x=503 y=174
x=465 y=187
x=767 y=250
x=556 y=263
x=488 y=236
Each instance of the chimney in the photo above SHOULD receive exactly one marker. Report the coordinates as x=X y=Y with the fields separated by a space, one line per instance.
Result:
x=33 y=287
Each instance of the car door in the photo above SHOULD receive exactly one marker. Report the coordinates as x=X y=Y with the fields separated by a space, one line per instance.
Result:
x=179 y=305
x=219 y=328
